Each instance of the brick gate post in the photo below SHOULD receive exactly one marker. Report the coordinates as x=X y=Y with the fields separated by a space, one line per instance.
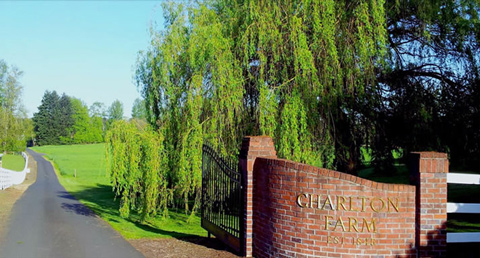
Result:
x=429 y=172
x=252 y=147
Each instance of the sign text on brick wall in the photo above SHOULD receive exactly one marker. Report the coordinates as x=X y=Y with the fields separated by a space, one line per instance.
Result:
x=348 y=203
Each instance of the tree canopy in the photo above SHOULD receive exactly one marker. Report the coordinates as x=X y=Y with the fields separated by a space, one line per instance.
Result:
x=226 y=69
x=428 y=93
x=324 y=78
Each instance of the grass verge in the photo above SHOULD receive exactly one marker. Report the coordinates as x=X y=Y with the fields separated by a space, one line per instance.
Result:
x=81 y=169
x=13 y=162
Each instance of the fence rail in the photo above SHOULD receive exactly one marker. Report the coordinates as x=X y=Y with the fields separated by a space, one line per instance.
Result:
x=466 y=179
x=9 y=177
x=452 y=207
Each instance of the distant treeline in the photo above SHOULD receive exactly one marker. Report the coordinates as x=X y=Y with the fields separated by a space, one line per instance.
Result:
x=68 y=120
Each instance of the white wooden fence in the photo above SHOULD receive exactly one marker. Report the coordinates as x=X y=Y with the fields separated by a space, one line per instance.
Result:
x=464 y=237
x=9 y=177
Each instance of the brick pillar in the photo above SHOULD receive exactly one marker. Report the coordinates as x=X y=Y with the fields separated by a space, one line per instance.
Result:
x=429 y=172
x=252 y=147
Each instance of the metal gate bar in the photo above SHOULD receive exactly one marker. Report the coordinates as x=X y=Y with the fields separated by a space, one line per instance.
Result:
x=222 y=198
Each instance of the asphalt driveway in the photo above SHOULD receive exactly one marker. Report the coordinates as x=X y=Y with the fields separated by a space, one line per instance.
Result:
x=49 y=222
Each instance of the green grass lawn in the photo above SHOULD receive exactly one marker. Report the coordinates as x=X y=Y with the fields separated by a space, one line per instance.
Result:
x=399 y=176
x=92 y=187
x=13 y=162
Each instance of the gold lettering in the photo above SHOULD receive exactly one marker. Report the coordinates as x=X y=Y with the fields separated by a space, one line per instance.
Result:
x=359 y=241
x=339 y=220
x=351 y=204
x=312 y=201
x=373 y=206
x=352 y=223
x=363 y=203
x=364 y=241
x=299 y=202
x=377 y=204
x=309 y=200
x=370 y=227
x=327 y=221
x=394 y=205
x=335 y=240
x=328 y=201
x=341 y=202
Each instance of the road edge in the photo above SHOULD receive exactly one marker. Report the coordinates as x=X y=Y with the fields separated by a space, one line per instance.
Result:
x=11 y=195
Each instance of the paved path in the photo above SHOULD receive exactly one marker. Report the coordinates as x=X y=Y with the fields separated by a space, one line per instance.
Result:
x=48 y=222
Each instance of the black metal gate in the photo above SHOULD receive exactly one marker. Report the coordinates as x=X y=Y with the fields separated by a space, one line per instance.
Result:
x=222 y=198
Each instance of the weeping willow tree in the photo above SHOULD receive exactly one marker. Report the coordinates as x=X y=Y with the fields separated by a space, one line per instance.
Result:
x=135 y=163
x=221 y=70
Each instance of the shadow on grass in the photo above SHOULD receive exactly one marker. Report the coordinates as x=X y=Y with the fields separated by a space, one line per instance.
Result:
x=99 y=200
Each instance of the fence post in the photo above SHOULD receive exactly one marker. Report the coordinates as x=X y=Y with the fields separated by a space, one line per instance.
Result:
x=252 y=147
x=429 y=173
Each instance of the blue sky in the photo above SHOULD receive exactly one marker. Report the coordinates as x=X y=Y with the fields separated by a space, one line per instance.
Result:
x=86 y=49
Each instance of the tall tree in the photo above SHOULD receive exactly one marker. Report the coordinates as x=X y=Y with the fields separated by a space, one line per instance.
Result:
x=97 y=109
x=289 y=69
x=98 y=115
x=138 y=110
x=46 y=129
x=14 y=126
x=54 y=119
x=65 y=119
x=426 y=91
x=115 y=111
x=85 y=129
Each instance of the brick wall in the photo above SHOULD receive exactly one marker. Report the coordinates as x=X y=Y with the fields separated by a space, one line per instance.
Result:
x=352 y=215
x=296 y=210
